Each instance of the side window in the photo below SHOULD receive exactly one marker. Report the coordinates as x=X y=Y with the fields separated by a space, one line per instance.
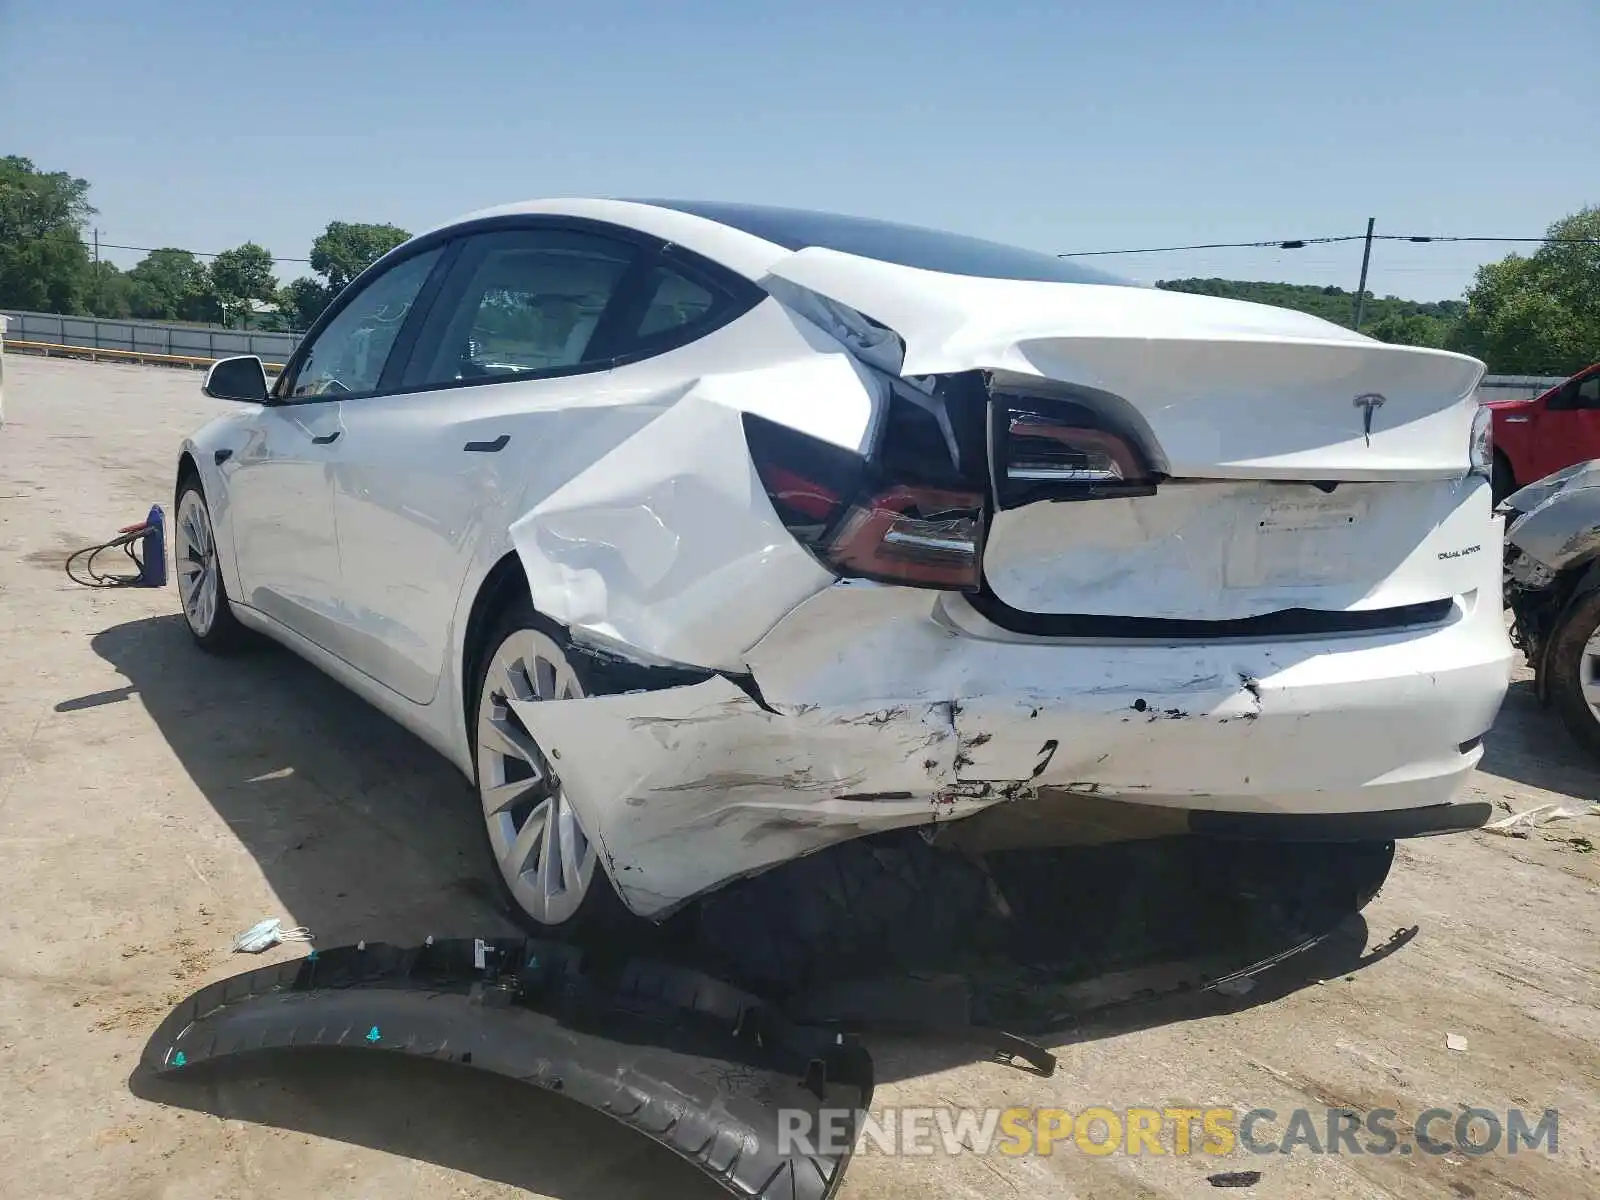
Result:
x=675 y=306
x=1588 y=393
x=347 y=356
x=675 y=301
x=517 y=303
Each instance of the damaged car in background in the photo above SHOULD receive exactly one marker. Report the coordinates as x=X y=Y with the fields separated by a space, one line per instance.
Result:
x=705 y=536
x=1552 y=587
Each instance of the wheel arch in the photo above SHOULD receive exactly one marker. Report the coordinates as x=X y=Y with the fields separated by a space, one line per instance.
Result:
x=504 y=583
x=188 y=468
x=216 y=499
x=603 y=673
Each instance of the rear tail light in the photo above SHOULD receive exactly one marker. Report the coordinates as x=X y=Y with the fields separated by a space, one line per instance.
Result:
x=1480 y=446
x=862 y=525
x=920 y=536
x=1062 y=451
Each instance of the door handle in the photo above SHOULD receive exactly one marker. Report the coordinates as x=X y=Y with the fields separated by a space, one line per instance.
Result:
x=327 y=438
x=493 y=447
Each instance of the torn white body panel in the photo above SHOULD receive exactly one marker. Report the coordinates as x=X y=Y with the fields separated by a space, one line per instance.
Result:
x=687 y=788
x=911 y=699
x=668 y=547
x=663 y=545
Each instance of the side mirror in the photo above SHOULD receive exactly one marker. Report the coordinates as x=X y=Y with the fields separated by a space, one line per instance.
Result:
x=243 y=378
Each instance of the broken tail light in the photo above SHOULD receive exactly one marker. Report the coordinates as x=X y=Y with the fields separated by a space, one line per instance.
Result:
x=861 y=524
x=925 y=537
x=1062 y=451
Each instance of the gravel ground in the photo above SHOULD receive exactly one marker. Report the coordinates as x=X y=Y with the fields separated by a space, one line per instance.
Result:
x=154 y=802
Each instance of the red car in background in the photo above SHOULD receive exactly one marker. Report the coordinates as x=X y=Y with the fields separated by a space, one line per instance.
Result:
x=1537 y=437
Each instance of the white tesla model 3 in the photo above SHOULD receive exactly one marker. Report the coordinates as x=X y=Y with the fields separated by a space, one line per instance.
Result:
x=702 y=536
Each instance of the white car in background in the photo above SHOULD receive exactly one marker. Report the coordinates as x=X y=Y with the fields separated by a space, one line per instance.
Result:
x=702 y=536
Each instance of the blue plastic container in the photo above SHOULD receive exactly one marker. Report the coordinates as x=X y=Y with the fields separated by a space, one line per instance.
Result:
x=153 y=570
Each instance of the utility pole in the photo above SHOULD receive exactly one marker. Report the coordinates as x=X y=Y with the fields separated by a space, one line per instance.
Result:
x=1361 y=288
x=97 y=267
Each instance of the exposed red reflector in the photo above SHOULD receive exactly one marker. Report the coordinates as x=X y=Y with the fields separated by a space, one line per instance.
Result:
x=803 y=495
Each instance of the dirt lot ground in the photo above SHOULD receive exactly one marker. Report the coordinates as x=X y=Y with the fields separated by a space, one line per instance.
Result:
x=153 y=802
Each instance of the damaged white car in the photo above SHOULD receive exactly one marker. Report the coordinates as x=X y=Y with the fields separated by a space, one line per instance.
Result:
x=703 y=536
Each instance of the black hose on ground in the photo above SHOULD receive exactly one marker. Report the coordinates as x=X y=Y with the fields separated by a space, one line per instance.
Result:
x=126 y=541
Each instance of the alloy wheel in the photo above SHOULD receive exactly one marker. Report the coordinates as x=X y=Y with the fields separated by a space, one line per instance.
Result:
x=1589 y=674
x=543 y=853
x=195 y=559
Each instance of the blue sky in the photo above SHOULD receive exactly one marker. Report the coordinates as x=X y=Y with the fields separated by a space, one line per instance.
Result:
x=1060 y=126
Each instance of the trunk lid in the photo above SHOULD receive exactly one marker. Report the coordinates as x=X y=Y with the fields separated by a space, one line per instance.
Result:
x=1226 y=551
x=1306 y=466
x=1229 y=390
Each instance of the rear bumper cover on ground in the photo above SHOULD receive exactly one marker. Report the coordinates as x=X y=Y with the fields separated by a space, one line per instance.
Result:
x=694 y=1064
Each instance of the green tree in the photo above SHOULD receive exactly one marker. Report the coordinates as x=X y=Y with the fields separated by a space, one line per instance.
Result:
x=302 y=301
x=43 y=261
x=1538 y=315
x=1330 y=303
x=171 y=285
x=107 y=292
x=1409 y=329
x=344 y=249
x=240 y=276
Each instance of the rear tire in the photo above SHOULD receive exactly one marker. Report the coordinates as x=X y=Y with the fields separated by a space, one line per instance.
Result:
x=1572 y=663
x=202 y=591
x=549 y=875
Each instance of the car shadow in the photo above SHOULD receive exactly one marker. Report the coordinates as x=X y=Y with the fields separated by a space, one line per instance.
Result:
x=1530 y=745
x=364 y=832
x=360 y=829
x=482 y=1125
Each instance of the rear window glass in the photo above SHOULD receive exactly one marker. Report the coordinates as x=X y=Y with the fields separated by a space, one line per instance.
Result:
x=888 y=241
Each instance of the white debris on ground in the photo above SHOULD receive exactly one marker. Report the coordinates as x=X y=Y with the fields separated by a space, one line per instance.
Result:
x=1518 y=824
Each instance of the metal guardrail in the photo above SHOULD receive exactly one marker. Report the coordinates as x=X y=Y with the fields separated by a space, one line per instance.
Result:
x=148 y=337
x=1516 y=387
x=95 y=354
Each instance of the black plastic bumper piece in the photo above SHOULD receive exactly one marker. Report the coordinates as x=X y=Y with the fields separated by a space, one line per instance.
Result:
x=692 y=1063
x=1386 y=826
x=1288 y=622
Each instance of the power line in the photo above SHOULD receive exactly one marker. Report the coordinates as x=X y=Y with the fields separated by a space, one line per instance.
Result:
x=1297 y=243
x=1549 y=241
x=196 y=253
x=1275 y=244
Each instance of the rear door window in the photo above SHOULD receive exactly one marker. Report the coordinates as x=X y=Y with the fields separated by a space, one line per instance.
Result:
x=520 y=303
x=677 y=303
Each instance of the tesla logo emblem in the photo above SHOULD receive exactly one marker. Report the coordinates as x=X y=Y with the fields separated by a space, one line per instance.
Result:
x=1368 y=403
